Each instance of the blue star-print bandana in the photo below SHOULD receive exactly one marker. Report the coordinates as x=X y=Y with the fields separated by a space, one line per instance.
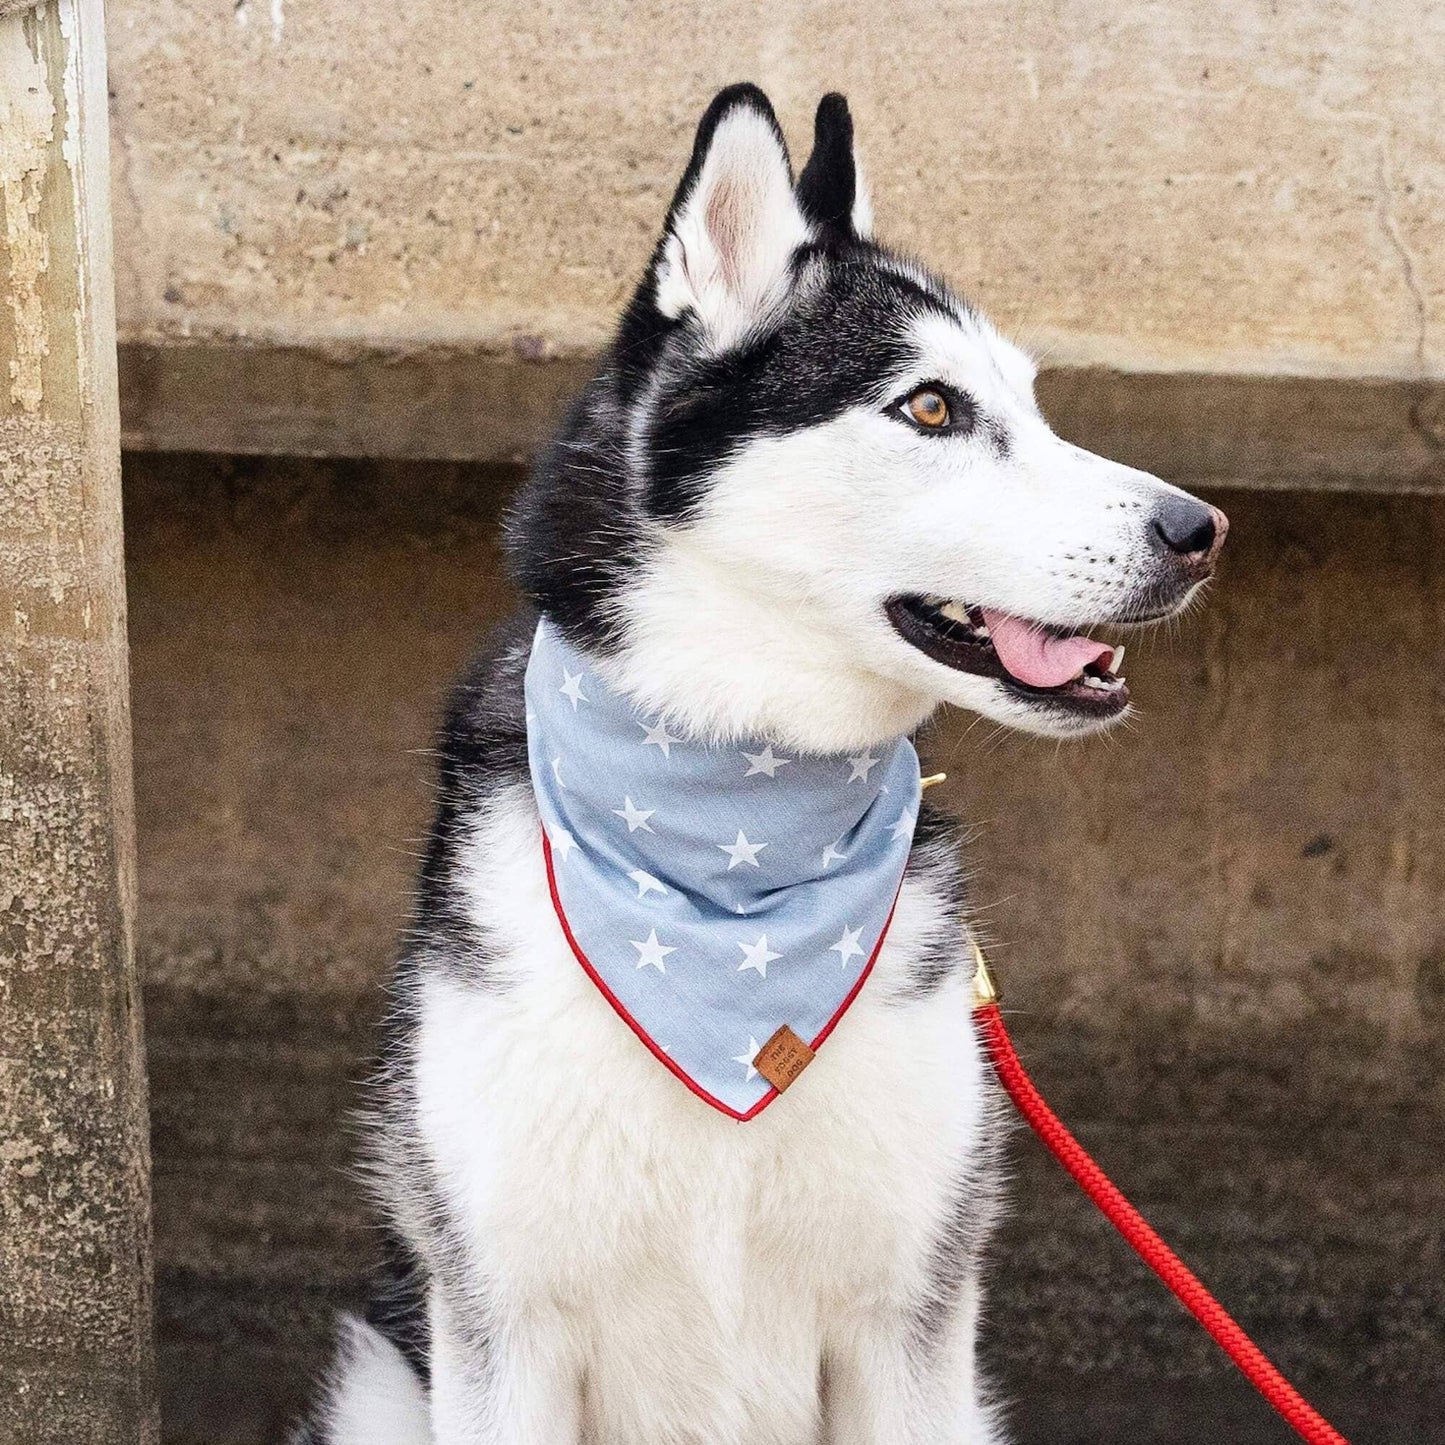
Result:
x=713 y=893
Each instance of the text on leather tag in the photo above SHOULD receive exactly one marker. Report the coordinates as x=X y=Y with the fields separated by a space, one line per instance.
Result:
x=783 y=1058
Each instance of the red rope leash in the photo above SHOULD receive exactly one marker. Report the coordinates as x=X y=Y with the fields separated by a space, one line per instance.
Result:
x=1307 y=1422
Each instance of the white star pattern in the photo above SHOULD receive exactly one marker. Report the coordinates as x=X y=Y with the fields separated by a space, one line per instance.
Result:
x=746 y=1058
x=862 y=764
x=765 y=762
x=742 y=852
x=571 y=688
x=659 y=737
x=757 y=955
x=635 y=818
x=651 y=953
x=645 y=893
x=847 y=947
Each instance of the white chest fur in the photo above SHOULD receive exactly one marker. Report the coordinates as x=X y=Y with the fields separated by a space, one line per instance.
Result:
x=697 y=1274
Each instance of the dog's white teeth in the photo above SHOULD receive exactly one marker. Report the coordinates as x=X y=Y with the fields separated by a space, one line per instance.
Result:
x=982 y=632
x=956 y=612
x=1097 y=683
x=1117 y=661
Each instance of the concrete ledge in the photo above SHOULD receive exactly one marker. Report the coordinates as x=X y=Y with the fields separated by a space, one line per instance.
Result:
x=299 y=401
x=1266 y=433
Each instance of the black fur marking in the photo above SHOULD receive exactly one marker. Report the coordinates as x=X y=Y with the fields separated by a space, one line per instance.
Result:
x=577 y=530
x=931 y=970
x=644 y=329
x=937 y=848
x=828 y=186
x=972 y=1212
x=573 y=537
x=836 y=347
x=482 y=746
x=999 y=437
x=397 y=1308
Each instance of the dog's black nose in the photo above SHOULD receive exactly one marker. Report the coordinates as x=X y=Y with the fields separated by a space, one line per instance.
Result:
x=1186 y=526
x=1192 y=531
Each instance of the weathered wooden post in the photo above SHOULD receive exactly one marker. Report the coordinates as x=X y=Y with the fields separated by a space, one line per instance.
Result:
x=75 y=1278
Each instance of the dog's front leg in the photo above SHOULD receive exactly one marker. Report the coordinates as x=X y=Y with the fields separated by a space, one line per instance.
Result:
x=508 y=1378
x=887 y=1381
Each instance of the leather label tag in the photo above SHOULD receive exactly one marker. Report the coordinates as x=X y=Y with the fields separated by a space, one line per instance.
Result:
x=783 y=1058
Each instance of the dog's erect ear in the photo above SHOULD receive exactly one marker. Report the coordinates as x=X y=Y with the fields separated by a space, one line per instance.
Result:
x=734 y=223
x=831 y=189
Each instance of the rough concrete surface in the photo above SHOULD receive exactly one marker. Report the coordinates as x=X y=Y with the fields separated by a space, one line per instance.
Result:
x=366 y=230
x=1221 y=931
x=75 y=1266
x=1158 y=184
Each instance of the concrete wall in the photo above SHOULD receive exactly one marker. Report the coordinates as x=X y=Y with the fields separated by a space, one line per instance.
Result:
x=365 y=228
x=1164 y=186
x=1222 y=932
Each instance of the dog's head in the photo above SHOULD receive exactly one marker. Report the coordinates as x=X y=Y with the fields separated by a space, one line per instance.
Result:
x=810 y=493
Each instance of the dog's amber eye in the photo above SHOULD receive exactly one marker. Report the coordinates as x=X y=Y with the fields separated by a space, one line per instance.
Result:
x=928 y=408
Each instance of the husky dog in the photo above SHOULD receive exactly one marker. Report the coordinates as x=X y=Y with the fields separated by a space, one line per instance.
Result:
x=807 y=498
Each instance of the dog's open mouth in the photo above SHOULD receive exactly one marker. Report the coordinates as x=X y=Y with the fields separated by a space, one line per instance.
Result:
x=1034 y=660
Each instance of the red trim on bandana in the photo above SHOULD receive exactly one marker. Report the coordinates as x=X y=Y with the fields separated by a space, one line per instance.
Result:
x=637 y=1028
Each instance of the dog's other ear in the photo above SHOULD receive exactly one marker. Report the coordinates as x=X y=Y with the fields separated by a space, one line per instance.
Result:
x=831 y=190
x=734 y=223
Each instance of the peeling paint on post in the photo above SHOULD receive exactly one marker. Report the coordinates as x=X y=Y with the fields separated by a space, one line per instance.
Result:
x=75 y=1277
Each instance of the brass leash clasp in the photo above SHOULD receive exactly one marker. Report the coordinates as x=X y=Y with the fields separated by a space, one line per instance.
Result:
x=985 y=988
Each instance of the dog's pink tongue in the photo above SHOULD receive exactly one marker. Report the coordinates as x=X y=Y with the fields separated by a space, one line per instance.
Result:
x=1033 y=656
